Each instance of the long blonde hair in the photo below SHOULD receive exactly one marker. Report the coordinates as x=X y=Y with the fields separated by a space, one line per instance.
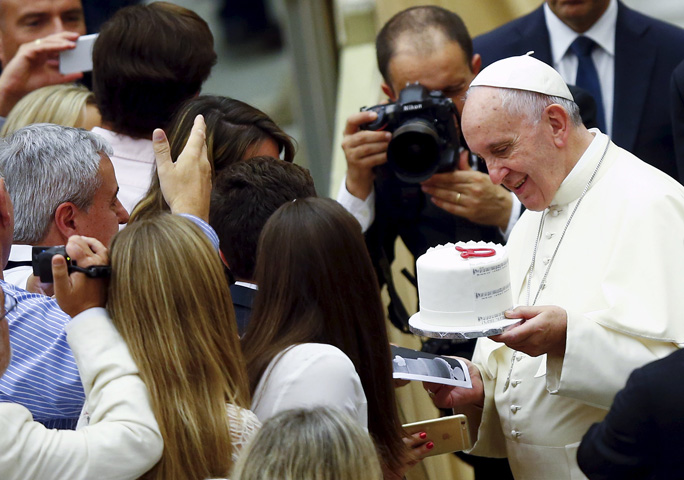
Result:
x=316 y=444
x=59 y=104
x=169 y=298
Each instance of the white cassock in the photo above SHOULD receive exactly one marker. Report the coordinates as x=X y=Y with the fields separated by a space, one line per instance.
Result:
x=619 y=274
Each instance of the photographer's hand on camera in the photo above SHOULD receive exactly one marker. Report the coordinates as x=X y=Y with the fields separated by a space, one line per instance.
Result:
x=77 y=293
x=35 y=65
x=363 y=149
x=470 y=194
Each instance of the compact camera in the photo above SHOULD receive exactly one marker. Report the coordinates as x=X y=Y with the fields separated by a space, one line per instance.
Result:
x=41 y=261
x=425 y=139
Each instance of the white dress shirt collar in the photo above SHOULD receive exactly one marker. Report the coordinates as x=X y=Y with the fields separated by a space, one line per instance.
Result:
x=561 y=36
x=20 y=253
x=253 y=286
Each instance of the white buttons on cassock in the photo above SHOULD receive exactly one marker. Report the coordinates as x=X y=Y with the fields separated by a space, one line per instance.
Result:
x=516 y=433
x=515 y=383
x=515 y=408
x=546 y=261
x=549 y=236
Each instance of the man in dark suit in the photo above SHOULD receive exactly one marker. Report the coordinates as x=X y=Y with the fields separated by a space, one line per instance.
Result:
x=643 y=434
x=637 y=51
x=677 y=96
x=243 y=198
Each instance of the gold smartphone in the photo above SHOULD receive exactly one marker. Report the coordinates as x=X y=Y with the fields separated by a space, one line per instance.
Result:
x=449 y=434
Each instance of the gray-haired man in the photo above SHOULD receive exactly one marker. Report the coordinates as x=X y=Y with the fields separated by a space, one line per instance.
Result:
x=61 y=182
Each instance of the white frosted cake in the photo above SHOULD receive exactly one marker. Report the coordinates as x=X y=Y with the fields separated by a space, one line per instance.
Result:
x=466 y=284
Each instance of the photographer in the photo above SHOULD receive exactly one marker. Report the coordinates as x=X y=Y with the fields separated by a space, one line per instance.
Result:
x=431 y=46
x=43 y=375
x=121 y=438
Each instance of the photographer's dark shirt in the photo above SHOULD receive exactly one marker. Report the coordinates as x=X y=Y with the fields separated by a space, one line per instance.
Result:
x=404 y=210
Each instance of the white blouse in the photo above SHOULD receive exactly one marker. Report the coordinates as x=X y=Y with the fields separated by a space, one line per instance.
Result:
x=310 y=375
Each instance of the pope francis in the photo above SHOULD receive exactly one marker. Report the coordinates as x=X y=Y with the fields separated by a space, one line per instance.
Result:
x=597 y=264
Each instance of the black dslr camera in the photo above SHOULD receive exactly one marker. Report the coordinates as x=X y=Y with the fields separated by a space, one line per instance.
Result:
x=41 y=261
x=425 y=140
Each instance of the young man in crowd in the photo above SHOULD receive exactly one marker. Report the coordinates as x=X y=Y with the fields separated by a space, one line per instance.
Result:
x=140 y=79
x=243 y=198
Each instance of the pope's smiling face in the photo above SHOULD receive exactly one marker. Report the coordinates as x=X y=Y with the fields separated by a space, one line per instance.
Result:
x=519 y=155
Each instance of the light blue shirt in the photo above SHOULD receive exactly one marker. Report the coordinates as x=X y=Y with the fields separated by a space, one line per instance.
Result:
x=42 y=374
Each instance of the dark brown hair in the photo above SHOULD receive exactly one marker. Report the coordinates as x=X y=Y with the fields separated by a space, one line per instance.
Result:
x=147 y=60
x=233 y=129
x=418 y=22
x=317 y=284
x=244 y=197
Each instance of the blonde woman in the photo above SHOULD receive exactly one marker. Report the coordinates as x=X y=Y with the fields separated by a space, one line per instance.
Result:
x=169 y=298
x=69 y=105
x=310 y=444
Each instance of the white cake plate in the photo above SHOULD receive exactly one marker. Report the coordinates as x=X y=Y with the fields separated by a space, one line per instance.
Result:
x=439 y=331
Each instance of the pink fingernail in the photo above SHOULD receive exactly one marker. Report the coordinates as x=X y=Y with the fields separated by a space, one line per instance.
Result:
x=423 y=435
x=429 y=445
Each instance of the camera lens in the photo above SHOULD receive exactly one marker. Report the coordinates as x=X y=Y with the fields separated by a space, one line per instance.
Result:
x=413 y=151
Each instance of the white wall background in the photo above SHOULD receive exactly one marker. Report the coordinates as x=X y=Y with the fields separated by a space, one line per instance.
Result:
x=671 y=11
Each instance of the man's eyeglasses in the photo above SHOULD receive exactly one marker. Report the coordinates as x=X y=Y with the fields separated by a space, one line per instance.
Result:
x=10 y=303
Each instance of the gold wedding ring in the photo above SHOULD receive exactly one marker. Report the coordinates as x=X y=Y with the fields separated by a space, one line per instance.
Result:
x=37 y=42
x=458 y=198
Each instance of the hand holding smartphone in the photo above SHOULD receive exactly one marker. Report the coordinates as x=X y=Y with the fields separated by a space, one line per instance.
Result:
x=79 y=59
x=449 y=434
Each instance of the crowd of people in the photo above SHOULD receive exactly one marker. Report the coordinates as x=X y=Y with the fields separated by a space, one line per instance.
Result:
x=211 y=317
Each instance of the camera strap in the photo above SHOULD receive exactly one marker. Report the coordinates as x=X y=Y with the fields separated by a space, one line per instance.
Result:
x=95 y=271
x=17 y=263
x=396 y=310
